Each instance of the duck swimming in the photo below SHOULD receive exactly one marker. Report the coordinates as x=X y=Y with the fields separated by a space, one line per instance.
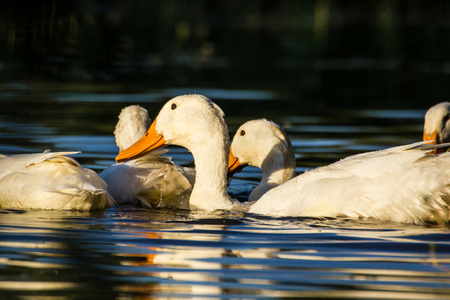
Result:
x=196 y=123
x=50 y=181
x=264 y=145
x=401 y=184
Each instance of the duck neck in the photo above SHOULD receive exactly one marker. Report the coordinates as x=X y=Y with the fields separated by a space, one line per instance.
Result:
x=274 y=173
x=210 y=188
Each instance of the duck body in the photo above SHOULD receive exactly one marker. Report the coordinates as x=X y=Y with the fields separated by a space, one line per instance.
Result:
x=50 y=181
x=152 y=180
x=402 y=184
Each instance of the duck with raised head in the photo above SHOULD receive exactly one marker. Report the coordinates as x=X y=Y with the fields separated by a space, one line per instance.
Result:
x=50 y=181
x=263 y=144
x=152 y=180
x=196 y=123
x=401 y=184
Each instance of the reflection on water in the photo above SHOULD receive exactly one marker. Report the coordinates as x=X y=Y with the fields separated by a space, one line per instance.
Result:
x=142 y=254
x=136 y=253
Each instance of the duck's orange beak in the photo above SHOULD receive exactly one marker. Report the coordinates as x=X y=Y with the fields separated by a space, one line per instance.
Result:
x=149 y=142
x=432 y=137
x=233 y=165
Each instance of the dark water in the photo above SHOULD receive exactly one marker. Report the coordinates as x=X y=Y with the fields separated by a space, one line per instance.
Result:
x=135 y=253
x=341 y=77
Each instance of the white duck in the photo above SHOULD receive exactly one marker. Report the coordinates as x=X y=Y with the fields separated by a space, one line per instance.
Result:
x=263 y=144
x=152 y=180
x=50 y=181
x=196 y=123
x=437 y=123
x=401 y=184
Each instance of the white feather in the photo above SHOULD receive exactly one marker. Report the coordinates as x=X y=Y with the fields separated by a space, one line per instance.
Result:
x=402 y=184
x=50 y=181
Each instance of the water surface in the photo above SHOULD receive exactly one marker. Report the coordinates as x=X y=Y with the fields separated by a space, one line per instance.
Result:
x=135 y=253
x=130 y=252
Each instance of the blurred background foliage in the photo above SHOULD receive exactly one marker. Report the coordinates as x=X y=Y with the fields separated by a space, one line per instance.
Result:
x=359 y=53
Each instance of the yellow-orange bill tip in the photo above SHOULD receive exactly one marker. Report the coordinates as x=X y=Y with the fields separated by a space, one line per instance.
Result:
x=233 y=165
x=432 y=138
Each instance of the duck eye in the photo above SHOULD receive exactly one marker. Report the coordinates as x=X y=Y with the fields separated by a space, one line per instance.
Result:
x=242 y=132
x=173 y=106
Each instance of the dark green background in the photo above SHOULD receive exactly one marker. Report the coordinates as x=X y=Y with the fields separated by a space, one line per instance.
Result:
x=378 y=54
